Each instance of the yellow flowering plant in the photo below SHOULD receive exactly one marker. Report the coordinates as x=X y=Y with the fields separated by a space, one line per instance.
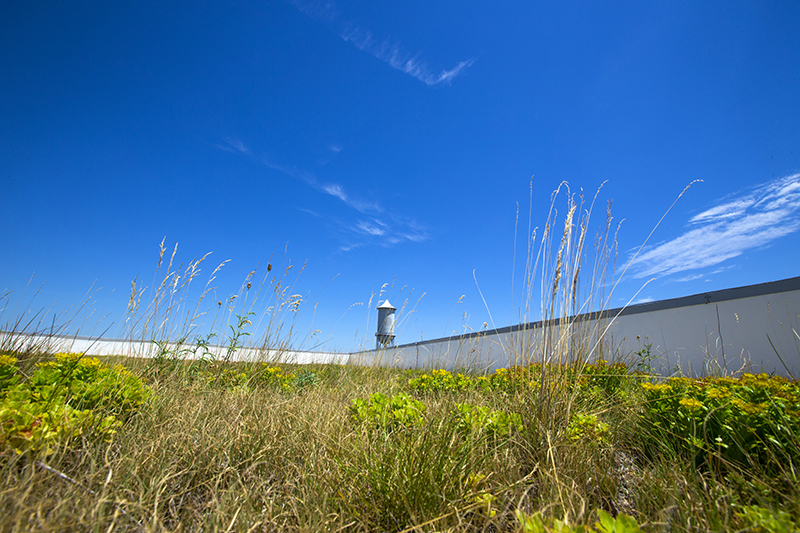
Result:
x=8 y=373
x=276 y=377
x=749 y=417
x=87 y=383
x=601 y=378
x=439 y=380
x=68 y=396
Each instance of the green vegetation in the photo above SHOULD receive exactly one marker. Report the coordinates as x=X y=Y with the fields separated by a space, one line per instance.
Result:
x=754 y=418
x=64 y=399
x=244 y=446
x=564 y=441
x=399 y=411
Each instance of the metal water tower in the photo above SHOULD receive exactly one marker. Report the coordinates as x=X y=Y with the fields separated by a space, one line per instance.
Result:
x=384 y=338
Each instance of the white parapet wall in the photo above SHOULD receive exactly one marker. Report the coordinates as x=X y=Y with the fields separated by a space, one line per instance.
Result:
x=148 y=349
x=753 y=328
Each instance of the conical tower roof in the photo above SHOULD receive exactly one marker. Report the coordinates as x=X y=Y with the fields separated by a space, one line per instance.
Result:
x=386 y=305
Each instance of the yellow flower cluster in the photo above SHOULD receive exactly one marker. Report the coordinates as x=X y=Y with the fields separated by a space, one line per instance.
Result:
x=274 y=375
x=691 y=403
x=441 y=380
x=122 y=370
x=718 y=393
x=79 y=358
x=659 y=388
x=749 y=408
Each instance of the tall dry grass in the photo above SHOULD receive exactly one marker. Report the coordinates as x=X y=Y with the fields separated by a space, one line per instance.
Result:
x=216 y=458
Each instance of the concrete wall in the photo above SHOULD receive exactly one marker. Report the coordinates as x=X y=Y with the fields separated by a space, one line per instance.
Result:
x=150 y=349
x=719 y=331
x=704 y=333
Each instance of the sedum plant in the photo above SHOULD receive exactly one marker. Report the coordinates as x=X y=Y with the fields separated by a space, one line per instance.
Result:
x=441 y=381
x=478 y=418
x=388 y=412
x=67 y=397
x=762 y=520
x=601 y=378
x=537 y=523
x=587 y=428
x=753 y=417
x=8 y=373
x=87 y=383
x=276 y=377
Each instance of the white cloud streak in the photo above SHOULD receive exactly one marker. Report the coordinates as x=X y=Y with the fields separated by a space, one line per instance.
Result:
x=727 y=230
x=232 y=144
x=689 y=278
x=331 y=189
x=388 y=230
x=371 y=229
x=309 y=211
x=393 y=54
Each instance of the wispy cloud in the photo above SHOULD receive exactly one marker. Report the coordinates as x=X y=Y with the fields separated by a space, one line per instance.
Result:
x=391 y=53
x=727 y=230
x=380 y=227
x=368 y=228
x=693 y=277
x=331 y=153
x=386 y=232
x=351 y=247
x=331 y=189
x=309 y=211
x=232 y=144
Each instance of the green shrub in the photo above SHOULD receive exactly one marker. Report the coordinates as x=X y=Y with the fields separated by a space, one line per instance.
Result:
x=70 y=396
x=762 y=520
x=477 y=418
x=587 y=428
x=379 y=410
x=86 y=383
x=441 y=381
x=8 y=373
x=753 y=417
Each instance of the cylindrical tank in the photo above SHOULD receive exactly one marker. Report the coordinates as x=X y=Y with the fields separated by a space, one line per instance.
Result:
x=385 y=335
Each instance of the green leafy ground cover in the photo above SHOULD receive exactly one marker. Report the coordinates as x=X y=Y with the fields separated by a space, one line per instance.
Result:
x=206 y=445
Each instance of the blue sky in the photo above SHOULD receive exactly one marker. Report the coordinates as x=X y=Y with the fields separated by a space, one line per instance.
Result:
x=390 y=143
